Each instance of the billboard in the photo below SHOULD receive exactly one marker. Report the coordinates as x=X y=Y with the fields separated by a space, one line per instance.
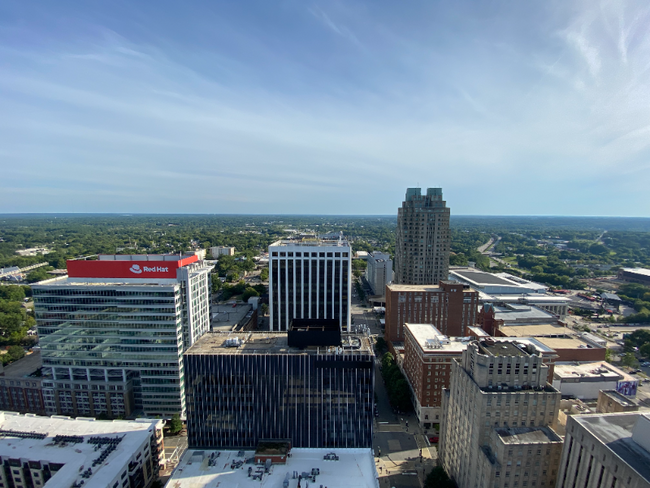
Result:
x=627 y=388
x=127 y=269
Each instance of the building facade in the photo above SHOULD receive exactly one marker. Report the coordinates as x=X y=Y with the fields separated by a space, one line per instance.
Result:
x=498 y=412
x=606 y=451
x=451 y=307
x=428 y=355
x=379 y=272
x=20 y=386
x=217 y=251
x=243 y=388
x=113 y=332
x=309 y=278
x=422 y=241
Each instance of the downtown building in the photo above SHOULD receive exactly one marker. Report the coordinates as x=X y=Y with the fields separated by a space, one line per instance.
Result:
x=450 y=306
x=379 y=271
x=309 y=278
x=422 y=241
x=311 y=386
x=498 y=413
x=113 y=332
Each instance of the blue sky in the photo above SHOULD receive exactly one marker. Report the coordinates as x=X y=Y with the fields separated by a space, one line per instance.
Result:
x=326 y=107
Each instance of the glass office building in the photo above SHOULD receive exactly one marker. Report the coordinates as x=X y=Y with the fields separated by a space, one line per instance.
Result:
x=243 y=388
x=112 y=334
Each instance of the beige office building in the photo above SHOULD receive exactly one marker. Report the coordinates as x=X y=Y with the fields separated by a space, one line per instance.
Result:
x=497 y=418
x=606 y=451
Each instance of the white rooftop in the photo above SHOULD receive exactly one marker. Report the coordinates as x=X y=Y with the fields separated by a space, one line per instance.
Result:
x=591 y=370
x=431 y=340
x=74 y=456
x=641 y=271
x=354 y=469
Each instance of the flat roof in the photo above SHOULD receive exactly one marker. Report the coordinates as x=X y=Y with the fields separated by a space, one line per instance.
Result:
x=482 y=278
x=640 y=271
x=498 y=348
x=620 y=398
x=24 y=366
x=615 y=431
x=566 y=343
x=74 y=455
x=516 y=311
x=535 y=330
x=431 y=340
x=478 y=331
x=527 y=435
x=533 y=298
x=230 y=343
x=591 y=370
x=311 y=242
x=355 y=468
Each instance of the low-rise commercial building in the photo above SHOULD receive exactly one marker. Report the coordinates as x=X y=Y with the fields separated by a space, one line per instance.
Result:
x=635 y=275
x=611 y=401
x=606 y=450
x=585 y=380
x=451 y=307
x=63 y=452
x=495 y=283
x=218 y=251
x=20 y=386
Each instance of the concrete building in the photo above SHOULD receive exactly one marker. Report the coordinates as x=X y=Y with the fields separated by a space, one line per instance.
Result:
x=63 y=452
x=493 y=317
x=585 y=380
x=451 y=307
x=351 y=468
x=497 y=418
x=635 y=275
x=606 y=451
x=555 y=304
x=112 y=333
x=422 y=241
x=20 y=386
x=309 y=385
x=217 y=251
x=379 y=272
x=309 y=278
x=611 y=401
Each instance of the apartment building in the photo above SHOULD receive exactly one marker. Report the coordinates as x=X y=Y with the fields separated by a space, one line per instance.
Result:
x=606 y=451
x=310 y=278
x=497 y=417
x=422 y=241
x=64 y=452
x=217 y=251
x=113 y=332
x=20 y=386
x=450 y=306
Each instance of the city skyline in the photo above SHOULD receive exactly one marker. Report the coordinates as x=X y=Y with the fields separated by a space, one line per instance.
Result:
x=247 y=109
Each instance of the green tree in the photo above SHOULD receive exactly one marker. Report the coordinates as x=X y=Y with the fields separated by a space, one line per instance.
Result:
x=438 y=478
x=175 y=424
x=629 y=360
x=265 y=309
x=13 y=293
x=249 y=292
x=264 y=274
x=645 y=350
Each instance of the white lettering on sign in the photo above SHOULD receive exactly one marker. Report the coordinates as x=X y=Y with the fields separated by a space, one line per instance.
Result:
x=155 y=269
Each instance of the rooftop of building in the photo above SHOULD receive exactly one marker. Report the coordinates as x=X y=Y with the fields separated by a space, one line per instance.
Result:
x=23 y=367
x=143 y=257
x=595 y=370
x=271 y=343
x=641 y=271
x=535 y=330
x=566 y=343
x=478 y=332
x=312 y=241
x=499 y=348
x=425 y=288
x=226 y=316
x=527 y=435
x=517 y=312
x=354 y=468
x=615 y=431
x=524 y=298
x=481 y=279
x=431 y=340
x=76 y=457
x=619 y=398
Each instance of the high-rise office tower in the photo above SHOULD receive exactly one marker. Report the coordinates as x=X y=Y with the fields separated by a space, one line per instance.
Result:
x=309 y=278
x=423 y=240
x=113 y=332
x=312 y=385
x=497 y=416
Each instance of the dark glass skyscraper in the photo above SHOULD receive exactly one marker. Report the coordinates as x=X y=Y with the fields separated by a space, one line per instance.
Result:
x=242 y=388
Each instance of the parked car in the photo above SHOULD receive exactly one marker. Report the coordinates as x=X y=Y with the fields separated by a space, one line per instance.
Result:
x=434 y=439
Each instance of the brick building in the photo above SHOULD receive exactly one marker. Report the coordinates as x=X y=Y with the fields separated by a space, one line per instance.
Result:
x=20 y=386
x=450 y=306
